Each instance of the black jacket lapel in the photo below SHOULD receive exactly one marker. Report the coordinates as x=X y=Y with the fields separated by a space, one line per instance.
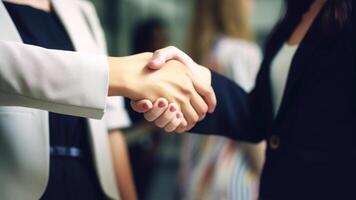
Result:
x=262 y=95
x=307 y=48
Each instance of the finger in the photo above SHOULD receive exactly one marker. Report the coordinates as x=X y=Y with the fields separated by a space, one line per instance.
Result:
x=199 y=105
x=182 y=126
x=158 y=60
x=176 y=121
x=167 y=116
x=190 y=114
x=141 y=106
x=160 y=57
x=207 y=92
x=159 y=106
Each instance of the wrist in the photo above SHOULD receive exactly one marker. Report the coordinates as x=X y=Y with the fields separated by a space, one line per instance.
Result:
x=125 y=74
x=117 y=82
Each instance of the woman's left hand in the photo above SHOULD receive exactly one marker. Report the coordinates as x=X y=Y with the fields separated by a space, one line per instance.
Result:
x=162 y=114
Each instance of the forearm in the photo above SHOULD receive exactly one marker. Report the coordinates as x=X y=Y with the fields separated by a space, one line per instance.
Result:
x=122 y=166
x=67 y=82
x=123 y=74
x=59 y=81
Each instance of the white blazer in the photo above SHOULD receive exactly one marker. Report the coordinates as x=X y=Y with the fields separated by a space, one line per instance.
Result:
x=34 y=79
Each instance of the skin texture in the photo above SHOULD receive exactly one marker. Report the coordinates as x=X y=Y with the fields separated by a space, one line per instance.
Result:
x=157 y=61
x=146 y=106
x=39 y=4
x=130 y=77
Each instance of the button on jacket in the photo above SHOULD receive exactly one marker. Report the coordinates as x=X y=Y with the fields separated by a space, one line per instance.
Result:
x=311 y=151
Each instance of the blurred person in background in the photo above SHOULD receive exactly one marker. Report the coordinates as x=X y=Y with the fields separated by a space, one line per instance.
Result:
x=216 y=167
x=149 y=35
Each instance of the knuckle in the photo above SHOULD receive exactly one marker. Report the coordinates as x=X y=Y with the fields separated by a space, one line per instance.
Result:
x=202 y=117
x=168 y=129
x=206 y=91
x=181 y=100
x=190 y=127
x=187 y=88
x=187 y=91
x=204 y=109
x=159 y=124
x=177 y=122
x=148 y=117
x=157 y=52
x=194 y=119
x=171 y=47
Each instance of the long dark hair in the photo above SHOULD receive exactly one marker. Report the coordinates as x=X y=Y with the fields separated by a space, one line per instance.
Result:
x=336 y=16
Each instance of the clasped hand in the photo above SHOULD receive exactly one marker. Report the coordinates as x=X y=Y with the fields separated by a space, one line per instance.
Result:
x=196 y=96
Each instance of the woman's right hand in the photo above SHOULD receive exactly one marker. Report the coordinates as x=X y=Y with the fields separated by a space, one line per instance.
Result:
x=155 y=114
x=129 y=77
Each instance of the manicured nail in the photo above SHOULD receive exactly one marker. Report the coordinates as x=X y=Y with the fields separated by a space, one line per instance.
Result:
x=145 y=106
x=161 y=104
x=178 y=116
x=172 y=109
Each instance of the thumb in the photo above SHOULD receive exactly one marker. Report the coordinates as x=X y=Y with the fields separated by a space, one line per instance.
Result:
x=160 y=57
x=141 y=106
x=157 y=61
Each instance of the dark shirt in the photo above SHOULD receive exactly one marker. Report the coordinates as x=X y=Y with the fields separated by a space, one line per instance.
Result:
x=70 y=178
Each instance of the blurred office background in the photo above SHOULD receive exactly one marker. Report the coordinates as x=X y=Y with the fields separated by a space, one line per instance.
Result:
x=156 y=156
x=119 y=17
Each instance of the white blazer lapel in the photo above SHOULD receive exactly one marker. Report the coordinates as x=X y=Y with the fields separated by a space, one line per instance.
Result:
x=73 y=19
x=8 y=29
x=83 y=41
x=28 y=126
x=75 y=25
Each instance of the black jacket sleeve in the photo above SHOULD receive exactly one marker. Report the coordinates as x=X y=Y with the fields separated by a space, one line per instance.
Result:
x=232 y=114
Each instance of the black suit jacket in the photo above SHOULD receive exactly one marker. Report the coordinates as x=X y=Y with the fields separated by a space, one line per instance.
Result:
x=311 y=152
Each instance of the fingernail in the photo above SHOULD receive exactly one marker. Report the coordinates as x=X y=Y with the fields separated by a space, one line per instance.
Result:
x=145 y=106
x=178 y=116
x=172 y=109
x=161 y=104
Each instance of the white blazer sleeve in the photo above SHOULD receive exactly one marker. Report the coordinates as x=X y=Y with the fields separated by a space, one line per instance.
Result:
x=116 y=115
x=65 y=82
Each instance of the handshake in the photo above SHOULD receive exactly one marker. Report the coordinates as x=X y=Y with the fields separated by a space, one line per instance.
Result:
x=168 y=87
